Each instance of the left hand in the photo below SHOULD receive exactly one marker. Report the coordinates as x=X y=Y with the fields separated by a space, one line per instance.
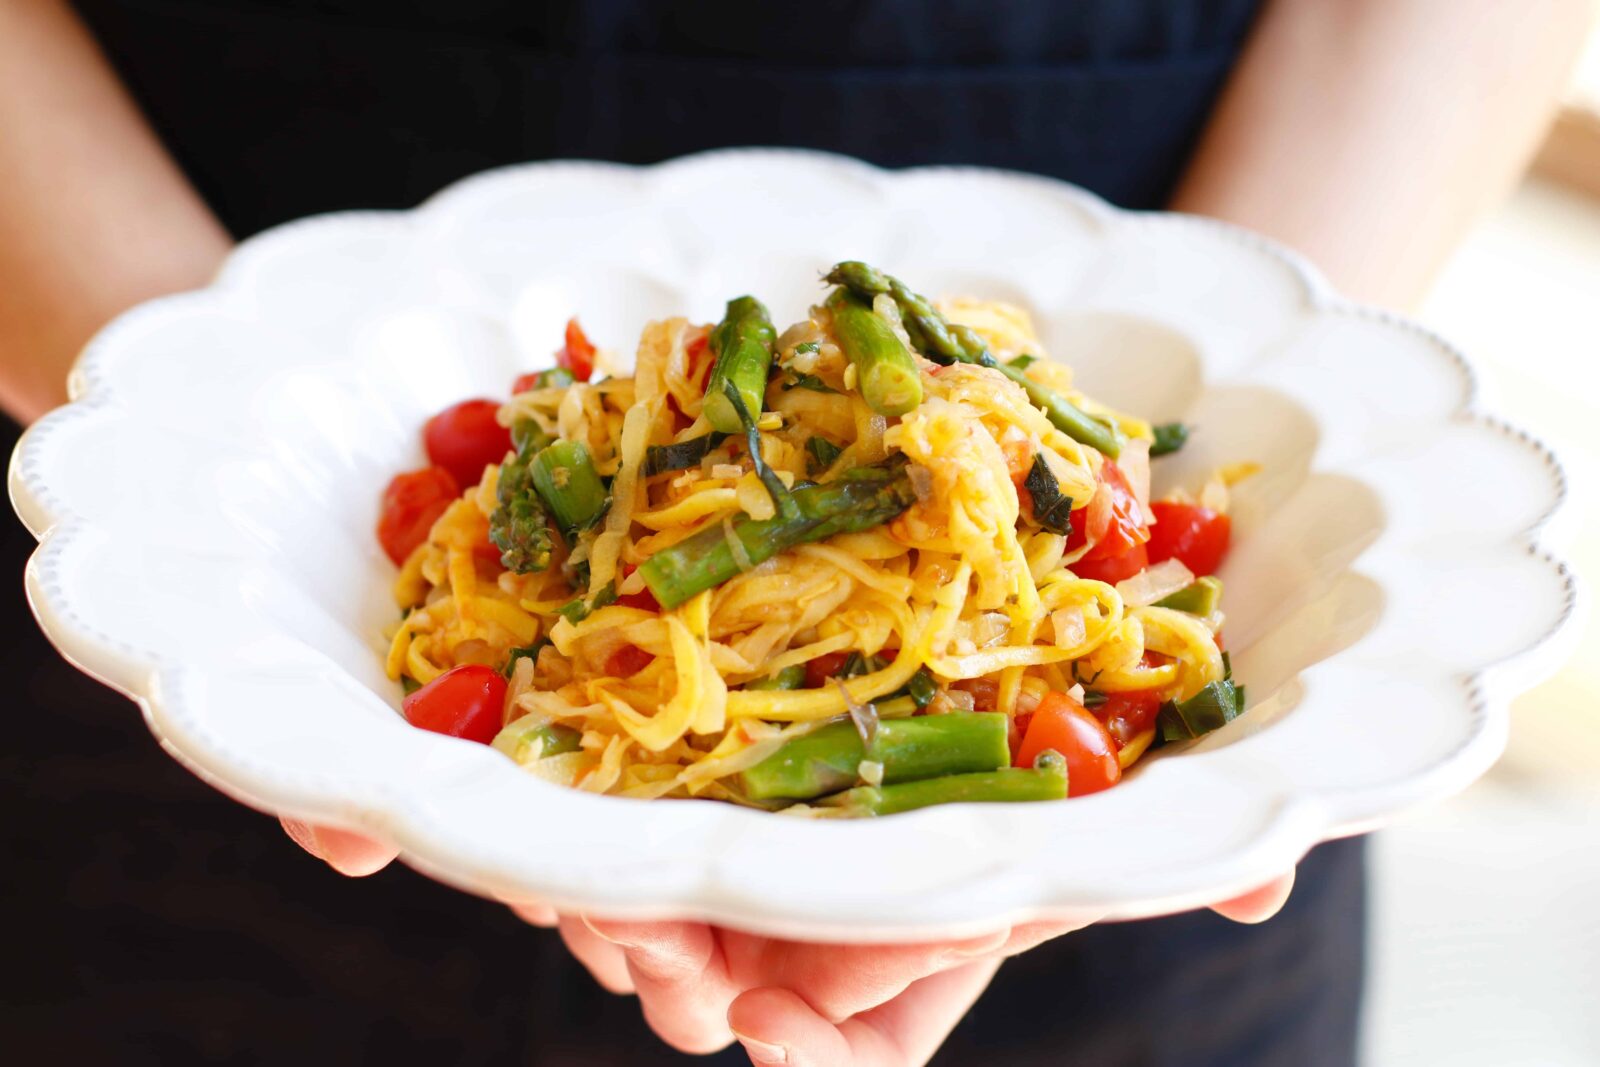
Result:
x=797 y=1004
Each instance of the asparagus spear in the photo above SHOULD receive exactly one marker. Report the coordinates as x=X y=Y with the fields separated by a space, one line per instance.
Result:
x=886 y=374
x=520 y=525
x=1047 y=780
x=1200 y=597
x=788 y=678
x=945 y=343
x=517 y=738
x=862 y=498
x=565 y=476
x=825 y=760
x=742 y=342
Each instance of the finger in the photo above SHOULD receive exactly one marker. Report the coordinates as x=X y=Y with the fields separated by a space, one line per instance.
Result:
x=839 y=981
x=1259 y=904
x=603 y=959
x=535 y=913
x=1026 y=936
x=681 y=976
x=776 y=1026
x=349 y=854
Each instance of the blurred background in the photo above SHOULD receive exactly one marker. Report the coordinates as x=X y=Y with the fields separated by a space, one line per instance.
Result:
x=1454 y=982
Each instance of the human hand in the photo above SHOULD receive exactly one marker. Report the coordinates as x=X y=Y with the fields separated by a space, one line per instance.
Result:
x=791 y=1003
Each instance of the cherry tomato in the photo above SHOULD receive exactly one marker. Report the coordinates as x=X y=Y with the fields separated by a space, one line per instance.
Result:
x=1061 y=723
x=465 y=438
x=627 y=661
x=411 y=504
x=1112 y=569
x=985 y=692
x=1127 y=715
x=467 y=701
x=525 y=382
x=819 y=670
x=577 y=355
x=1197 y=536
x=1120 y=525
x=645 y=600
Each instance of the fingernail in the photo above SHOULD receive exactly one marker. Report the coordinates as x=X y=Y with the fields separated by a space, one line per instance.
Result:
x=978 y=949
x=762 y=1052
x=602 y=935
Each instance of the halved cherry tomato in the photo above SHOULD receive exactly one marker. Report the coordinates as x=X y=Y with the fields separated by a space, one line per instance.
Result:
x=1121 y=526
x=411 y=504
x=1197 y=536
x=1061 y=723
x=577 y=355
x=1127 y=715
x=465 y=438
x=645 y=600
x=819 y=670
x=1113 y=569
x=627 y=661
x=467 y=701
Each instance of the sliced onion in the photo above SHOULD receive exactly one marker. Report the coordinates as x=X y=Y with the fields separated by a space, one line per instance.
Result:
x=865 y=716
x=921 y=482
x=753 y=498
x=1070 y=628
x=1077 y=693
x=989 y=628
x=1135 y=463
x=1155 y=583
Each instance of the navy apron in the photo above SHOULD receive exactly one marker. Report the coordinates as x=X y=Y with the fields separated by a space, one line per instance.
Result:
x=165 y=924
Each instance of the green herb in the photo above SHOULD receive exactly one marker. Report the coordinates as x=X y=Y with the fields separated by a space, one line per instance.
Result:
x=806 y=346
x=1052 y=509
x=409 y=685
x=788 y=678
x=1024 y=361
x=1212 y=707
x=820 y=454
x=575 y=611
x=922 y=688
x=1093 y=698
x=796 y=380
x=1169 y=437
x=658 y=459
x=524 y=652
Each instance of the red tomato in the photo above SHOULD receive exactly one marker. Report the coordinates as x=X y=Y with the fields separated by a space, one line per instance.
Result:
x=698 y=364
x=525 y=382
x=577 y=355
x=467 y=701
x=465 y=438
x=627 y=661
x=985 y=692
x=1112 y=569
x=1127 y=715
x=645 y=600
x=819 y=670
x=1198 y=536
x=410 y=505
x=1120 y=526
x=1061 y=723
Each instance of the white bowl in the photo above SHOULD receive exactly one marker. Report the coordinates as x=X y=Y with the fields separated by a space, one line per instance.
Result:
x=206 y=508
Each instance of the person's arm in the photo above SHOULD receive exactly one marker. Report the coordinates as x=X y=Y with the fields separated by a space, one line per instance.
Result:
x=1370 y=134
x=94 y=215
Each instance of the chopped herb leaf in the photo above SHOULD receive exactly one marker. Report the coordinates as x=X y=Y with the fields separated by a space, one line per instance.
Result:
x=1169 y=437
x=658 y=459
x=820 y=453
x=1052 y=508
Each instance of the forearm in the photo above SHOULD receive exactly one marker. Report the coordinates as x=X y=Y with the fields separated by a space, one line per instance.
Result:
x=94 y=215
x=1370 y=134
